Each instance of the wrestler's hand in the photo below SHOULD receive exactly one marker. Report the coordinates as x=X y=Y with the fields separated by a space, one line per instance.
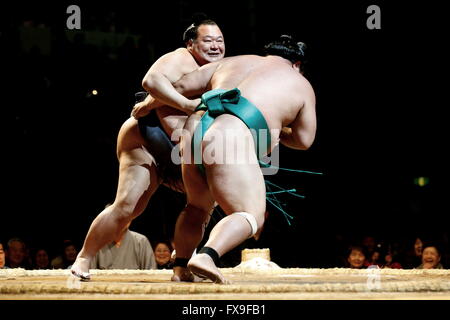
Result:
x=192 y=104
x=285 y=136
x=140 y=109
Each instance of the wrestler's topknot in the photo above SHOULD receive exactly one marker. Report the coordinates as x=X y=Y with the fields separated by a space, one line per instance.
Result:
x=197 y=19
x=285 y=46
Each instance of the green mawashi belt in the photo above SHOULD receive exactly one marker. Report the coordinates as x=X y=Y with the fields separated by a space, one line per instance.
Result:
x=217 y=102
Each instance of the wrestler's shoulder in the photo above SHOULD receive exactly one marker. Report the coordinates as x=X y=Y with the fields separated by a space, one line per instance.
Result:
x=180 y=55
x=181 y=52
x=303 y=82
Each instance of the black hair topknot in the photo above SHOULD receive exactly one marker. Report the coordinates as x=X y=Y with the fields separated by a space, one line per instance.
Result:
x=197 y=19
x=285 y=46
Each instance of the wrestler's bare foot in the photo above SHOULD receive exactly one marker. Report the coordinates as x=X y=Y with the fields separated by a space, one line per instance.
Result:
x=182 y=274
x=80 y=268
x=203 y=265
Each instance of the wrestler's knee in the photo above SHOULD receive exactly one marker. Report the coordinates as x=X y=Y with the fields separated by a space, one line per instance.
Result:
x=259 y=220
x=125 y=210
x=258 y=211
x=254 y=221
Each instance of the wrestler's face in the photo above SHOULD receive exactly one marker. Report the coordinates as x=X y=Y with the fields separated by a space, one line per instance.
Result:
x=430 y=257
x=209 y=46
x=356 y=259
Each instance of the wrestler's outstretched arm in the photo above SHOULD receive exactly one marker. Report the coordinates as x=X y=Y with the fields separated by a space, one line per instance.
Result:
x=192 y=84
x=159 y=79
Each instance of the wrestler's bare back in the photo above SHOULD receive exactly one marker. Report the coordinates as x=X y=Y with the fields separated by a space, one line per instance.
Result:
x=270 y=83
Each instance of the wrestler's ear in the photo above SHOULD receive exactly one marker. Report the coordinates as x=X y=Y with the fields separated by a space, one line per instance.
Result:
x=189 y=44
x=298 y=66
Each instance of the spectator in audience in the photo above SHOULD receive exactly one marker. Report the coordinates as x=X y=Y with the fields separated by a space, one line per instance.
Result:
x=67 y=257
x=390 y=259
x=356 y=257
x=41 y=259
x=413 y=255
x=16 y=254
x=431 y=257
x=383 y=257
x=418 y=247
x=163 y=252
x=2 y=257
x=131 y=250
x=370 y=244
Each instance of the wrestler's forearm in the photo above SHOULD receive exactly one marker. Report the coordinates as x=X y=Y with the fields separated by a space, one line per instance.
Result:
x=161 y=89
x=187 y=91
x=152 y=103
x=287 y=139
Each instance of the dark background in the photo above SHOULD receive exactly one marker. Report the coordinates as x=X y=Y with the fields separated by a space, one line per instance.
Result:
x=380 y=110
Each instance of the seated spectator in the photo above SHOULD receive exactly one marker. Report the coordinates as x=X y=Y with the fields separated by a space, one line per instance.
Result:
x=356 y=257
x=369 y=243
x=390 y=260
x=131 y=250
x=163 y=255
x=16 y=254
x=412 y=257
x=67 y=257
x=383 y=257
x=41 y=259
x=2 y=257
x=431 y=257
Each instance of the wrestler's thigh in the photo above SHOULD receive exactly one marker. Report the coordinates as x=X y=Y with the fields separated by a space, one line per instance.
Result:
x=237 y=187
x=237 y=183
x=129 y=136
x=138 y=179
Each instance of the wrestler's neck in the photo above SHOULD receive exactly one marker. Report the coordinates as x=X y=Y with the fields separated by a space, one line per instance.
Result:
x=296 y=65
x=278 y=58
x=200 y=62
